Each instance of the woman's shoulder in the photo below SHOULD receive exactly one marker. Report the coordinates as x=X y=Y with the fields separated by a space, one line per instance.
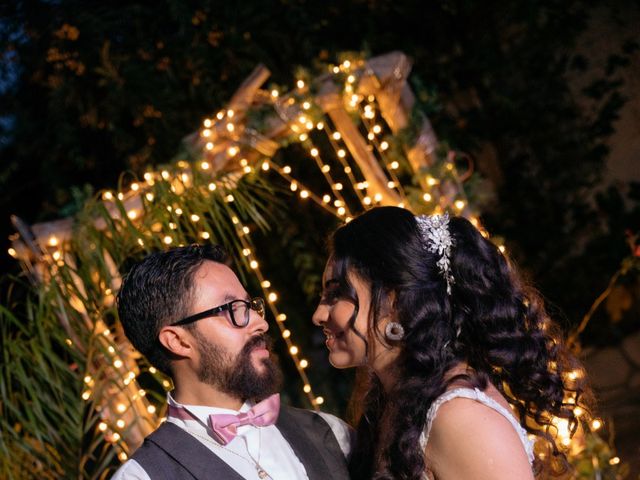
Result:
x=470 y=435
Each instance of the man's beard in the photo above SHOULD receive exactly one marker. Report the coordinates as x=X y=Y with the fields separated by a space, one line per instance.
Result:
x=238 y=378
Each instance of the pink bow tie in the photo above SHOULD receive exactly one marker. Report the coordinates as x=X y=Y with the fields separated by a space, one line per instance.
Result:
x=262 y=414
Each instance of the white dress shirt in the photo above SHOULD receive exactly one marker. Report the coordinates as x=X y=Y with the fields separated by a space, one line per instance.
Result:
x=263 y=445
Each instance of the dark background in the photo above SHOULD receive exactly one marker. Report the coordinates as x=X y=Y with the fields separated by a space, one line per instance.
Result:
x=534 y=90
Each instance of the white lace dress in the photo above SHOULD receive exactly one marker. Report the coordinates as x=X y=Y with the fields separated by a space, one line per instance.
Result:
x=478 y=396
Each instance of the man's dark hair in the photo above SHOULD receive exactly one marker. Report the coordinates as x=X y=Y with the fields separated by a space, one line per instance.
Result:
x=158 y=291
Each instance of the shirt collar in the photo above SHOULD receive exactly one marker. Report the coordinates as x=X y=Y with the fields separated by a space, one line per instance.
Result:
x=202 y=412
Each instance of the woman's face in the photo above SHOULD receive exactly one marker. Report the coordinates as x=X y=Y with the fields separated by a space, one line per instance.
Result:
x=334 y=314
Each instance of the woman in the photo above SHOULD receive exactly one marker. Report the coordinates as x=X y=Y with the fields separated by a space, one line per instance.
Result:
x=464 y=363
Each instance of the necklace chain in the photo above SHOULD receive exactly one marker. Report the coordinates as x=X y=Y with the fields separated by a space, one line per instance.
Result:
x=262 y=473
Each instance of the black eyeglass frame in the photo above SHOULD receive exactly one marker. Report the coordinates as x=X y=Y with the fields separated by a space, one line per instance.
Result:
x=256 y=304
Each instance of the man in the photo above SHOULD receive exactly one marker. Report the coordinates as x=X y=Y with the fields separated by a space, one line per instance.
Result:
x=187 y=312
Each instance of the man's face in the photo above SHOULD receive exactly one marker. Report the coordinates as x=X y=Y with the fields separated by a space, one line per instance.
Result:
x=235 y=360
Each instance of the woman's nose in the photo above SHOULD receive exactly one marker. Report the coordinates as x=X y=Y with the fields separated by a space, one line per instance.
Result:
x=321 y=315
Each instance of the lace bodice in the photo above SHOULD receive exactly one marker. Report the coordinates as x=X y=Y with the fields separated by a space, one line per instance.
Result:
x=479 y=396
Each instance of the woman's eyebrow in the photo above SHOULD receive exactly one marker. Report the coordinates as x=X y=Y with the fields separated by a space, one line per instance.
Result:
x=330 y=282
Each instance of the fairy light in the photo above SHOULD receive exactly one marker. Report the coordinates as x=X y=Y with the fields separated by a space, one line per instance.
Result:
x=319 y=400
x=384 y=145
x=207 y=123
x=149 y=196
x=56 y=255
x=326 y=199
x=459 y=204
x=281 y=317
x=122 y=456
x=306 y=388
x=272 y=297
x=342 y=153
x=376 y=129
x=314 y=152
x=102 y=426
x=151 y=409
x=275 y=93
x=121 y=408
x=195 y=218
x=167 y=240
x=164 y=174
x=220 y=115
x=265 y=166
x=86 y=395
x=107 y=195
x=286 y=334
x=211 y=187
x=394 y=165
x=253 y=264
x=336 y=136
x=209 y=146
x=265 y=284
x=300 y=83
x=12 y=252
x=135 y=187
x=120 y=423
x=326 y=168
x=304 y=194
x=427 y=197
x=132 y=214
x=117 y=363
x=303 y=363
x=205 y=235
x=614 y=461
x=53 y=241
x=596 y=424
x=115 y=437
x=286 y=169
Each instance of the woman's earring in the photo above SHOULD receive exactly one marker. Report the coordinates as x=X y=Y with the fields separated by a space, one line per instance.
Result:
x=394 y=331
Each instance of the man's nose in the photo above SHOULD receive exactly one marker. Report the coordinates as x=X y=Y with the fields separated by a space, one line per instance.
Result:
x=258 y=322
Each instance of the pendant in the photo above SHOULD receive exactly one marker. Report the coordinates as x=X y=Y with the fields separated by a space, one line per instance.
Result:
x=261 y=472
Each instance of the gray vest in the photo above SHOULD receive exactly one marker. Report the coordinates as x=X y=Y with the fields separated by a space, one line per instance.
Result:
x=170 y=453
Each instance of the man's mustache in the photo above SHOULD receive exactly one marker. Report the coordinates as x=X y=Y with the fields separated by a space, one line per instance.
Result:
x=258 y=341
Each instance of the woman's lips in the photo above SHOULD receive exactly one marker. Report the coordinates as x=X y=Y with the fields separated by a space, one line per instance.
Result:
x=332 y=337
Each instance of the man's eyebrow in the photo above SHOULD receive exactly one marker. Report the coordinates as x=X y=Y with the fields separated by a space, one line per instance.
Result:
x=229 y=297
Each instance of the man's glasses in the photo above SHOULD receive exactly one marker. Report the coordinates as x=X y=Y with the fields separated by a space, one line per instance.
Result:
x=239 y=312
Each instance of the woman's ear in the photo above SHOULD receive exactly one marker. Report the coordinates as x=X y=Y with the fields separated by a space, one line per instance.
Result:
x=177 y=341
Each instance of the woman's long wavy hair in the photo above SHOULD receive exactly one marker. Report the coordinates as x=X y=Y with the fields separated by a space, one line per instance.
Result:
x=491 y=321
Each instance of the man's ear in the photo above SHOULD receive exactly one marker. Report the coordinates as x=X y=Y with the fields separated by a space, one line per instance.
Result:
x=177 y=341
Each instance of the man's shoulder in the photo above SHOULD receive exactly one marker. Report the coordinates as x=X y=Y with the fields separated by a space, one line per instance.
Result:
x=341 y=430
x=130 y=470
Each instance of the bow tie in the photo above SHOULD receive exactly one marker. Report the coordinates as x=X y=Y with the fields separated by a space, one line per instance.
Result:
x=261 y=414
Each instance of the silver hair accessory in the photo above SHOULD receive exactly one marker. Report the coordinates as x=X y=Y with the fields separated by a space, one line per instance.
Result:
x=394 y=331
x=437 y=239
